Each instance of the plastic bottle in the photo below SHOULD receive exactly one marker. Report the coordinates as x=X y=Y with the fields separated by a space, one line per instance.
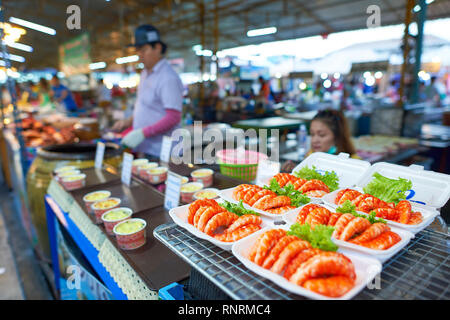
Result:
x=188 y=119
x=302 y=136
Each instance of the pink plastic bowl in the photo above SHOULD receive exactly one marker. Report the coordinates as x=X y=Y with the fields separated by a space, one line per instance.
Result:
x=234 y=156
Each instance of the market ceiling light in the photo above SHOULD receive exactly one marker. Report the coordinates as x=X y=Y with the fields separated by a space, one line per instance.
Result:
x=220 y=54
x=327 y=83
x=19 y=46
x=378 y=74
x=261 y=32
x=302 y=86
x=205 y=53
x=197 y=47
x=97 y=65
x=417 y=8
x=429 y=1
x=12 y=73
x=127 y=59
x=32 y=25
x=323 y=76
x=370 y=81
x=13 y=57
x=337 y=75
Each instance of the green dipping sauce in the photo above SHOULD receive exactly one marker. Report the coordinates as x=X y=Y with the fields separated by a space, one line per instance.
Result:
x=116 y=215
x=128 y=227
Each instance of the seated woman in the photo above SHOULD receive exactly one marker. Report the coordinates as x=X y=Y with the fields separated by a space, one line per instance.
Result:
x=329 y=133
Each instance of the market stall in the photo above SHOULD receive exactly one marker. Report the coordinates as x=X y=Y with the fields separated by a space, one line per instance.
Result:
x=409 y=271
x=412 y=267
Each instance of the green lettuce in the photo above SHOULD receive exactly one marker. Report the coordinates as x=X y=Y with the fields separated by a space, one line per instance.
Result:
x=349 y=207
x=329 y=178
x=386 y=189
x=238 y=209
x=297 y=197
x=319 y=237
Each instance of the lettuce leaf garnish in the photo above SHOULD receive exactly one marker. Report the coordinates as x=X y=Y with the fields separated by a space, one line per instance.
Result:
x=238 y=209
x=349 y=207
x=329 y=178
x=389 y=190
x=297 y=197
x=319 y=237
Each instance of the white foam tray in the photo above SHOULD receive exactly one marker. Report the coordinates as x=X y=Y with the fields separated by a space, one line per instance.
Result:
x=381 y=255
x=428 y=213
x=266 y=182
x=430 y=188
x=179 y=216
x=366 y=269
x=227 y=194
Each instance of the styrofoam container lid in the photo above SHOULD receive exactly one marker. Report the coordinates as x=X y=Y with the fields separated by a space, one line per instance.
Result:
x=429 y=188
x=349 y=170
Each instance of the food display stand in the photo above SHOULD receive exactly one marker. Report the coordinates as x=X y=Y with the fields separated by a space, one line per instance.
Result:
x=134 y=274
x=419 y=271
x=172 y=254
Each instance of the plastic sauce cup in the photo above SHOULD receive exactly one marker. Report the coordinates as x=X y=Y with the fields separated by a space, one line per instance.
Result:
x=68 y=173
x=143 y=170
x=73 y=182
x=88 y=202
x=188 y=189
x=110 y=223
x=132 y=239
x=136 y=163
x=157 y=175
x=99 y=211
x=64 y=169
x=205 y=176
x=208 y=193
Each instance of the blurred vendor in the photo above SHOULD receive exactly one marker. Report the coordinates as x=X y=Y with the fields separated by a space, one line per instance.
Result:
x=44 y=93
x=329 y=133
x=62 y=95
x=158 y=107
x=104 y=101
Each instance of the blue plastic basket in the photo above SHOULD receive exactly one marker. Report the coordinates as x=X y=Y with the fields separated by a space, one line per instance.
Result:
x=173 y=291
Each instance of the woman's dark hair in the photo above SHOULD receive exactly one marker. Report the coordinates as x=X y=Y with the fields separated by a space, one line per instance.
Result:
x=336 y=122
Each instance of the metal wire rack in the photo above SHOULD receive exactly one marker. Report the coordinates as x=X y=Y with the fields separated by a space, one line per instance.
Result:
x=421 y=270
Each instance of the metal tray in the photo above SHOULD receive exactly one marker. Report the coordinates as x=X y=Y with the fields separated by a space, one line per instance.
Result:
x=421 y=270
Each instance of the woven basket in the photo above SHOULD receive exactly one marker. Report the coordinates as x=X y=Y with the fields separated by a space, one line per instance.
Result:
x=246 y=172
x=241 y=164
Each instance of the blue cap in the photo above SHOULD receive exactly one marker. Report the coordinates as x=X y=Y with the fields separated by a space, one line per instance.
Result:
x=145 y=34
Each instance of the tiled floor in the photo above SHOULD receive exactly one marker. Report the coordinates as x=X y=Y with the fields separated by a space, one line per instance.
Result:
x=21 y=277
x=10 y=288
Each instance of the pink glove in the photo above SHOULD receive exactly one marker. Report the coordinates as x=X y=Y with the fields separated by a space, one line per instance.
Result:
x=171 y=119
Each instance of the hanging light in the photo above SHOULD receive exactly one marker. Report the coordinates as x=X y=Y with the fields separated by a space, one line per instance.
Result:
x=261 y=32
x=32 y=25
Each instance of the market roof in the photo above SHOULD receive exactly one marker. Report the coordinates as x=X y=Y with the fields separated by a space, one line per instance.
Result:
x=111 y=23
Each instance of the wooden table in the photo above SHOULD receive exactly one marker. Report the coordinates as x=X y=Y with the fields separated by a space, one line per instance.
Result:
x=154 y=263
